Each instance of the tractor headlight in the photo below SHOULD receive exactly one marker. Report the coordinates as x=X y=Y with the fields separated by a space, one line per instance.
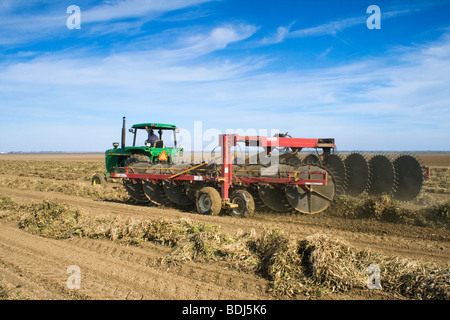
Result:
x=115 y=145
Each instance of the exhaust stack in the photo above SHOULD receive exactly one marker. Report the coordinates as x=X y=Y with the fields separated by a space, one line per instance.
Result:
x=123 y=133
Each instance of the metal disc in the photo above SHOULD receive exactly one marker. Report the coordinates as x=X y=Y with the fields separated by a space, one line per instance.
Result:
x=311 y=199
x=409 y=177
x=292 y=159
x=154 y=190
x=155 y=193
x=337 y=167
x=383 y=178
x=357 y=174
x=311 y=158
x=274 y=198
x=134 y=187
x=176 y=192
x=259 y=204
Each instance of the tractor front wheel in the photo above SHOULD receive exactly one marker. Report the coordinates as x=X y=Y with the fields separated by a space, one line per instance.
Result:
x=98 y=180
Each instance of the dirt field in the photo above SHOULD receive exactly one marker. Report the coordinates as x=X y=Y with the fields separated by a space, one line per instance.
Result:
x=34 y=266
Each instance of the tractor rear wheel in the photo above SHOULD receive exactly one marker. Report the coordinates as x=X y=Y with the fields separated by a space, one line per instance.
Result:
x=208 y=201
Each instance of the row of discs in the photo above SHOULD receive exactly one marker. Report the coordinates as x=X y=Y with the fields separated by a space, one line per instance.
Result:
x=307 y=199
x=401 y=178
x=162 y=192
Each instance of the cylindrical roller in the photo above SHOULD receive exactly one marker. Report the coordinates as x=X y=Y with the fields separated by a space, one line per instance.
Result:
x=310 y=199
x=409 y=177
x=337 y=167
x=277 y=171
x=274 y=171
x=383 y=179
x=357 y=174
x=261 y=158
x=252 y=170
x=274 y=198
x=176 y=192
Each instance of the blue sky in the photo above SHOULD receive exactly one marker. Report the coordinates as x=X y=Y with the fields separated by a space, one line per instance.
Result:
x=312 y=68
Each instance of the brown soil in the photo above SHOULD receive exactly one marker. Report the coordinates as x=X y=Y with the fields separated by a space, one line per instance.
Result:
x=33 y=267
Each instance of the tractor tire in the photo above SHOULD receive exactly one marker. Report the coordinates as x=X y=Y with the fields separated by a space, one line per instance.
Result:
x=136 y=158
x=208 y=201
x=98 y=179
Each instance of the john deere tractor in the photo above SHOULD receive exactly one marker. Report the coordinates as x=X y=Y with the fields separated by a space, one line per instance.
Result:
x=135 y=156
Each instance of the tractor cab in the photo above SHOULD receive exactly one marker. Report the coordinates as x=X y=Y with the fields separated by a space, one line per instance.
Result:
x=165 y=134
x=161 y=148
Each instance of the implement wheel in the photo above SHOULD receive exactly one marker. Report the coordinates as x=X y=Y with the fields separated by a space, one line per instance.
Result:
x=245 y=204
x=208 y=201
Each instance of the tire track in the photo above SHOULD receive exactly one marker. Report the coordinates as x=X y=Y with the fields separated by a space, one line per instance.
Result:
x=393 y=239
x=112 y=271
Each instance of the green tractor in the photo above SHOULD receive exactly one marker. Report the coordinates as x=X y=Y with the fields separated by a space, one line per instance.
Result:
x=153 y=151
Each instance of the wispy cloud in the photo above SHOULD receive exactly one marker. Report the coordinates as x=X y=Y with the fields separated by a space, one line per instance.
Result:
x=120 y=9
x=136 y=66
x=183 y=72
x=201 y=44
x=330 y=28
x=23 y=22
x=401 y=93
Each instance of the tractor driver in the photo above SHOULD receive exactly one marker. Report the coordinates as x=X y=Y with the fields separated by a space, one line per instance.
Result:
x=152 y=137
